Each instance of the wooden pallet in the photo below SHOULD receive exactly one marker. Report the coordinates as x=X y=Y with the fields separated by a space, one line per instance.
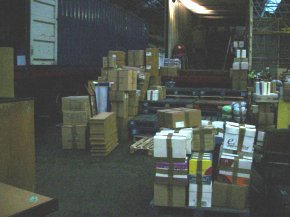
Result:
x=142 y=145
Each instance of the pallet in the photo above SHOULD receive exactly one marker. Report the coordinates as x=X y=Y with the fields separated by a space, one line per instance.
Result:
x=143 y=145
x=199 y=212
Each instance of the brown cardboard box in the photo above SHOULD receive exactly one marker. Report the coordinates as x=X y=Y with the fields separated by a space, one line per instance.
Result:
x=123 y=129
x=136 y=58
x=74 y=136
x=265 y=107
x=124 y=80
x=109 y=62
x=238 y=84
x=169 y=195
x=6 y=72
x=160 y=116
x=203 y=139
x=120 y=103
x=118 y=96
x=174 y=119
x=76 y=103
x=239 y=74
x=171 y=71
x=229 y=196
x=120 y=57
x=192 y=117
x=152 y=61
x=286 y=92
x=143 y=86
x=266 y=118
x=106 y=71
x=133 y=103
x=161 y=91
x=75 y=117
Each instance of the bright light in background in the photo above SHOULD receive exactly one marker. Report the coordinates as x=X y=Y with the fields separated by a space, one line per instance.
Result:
x=272 y=5
x=195 y=7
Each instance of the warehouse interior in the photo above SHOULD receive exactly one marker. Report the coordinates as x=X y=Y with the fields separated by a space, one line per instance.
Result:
x=136 y=108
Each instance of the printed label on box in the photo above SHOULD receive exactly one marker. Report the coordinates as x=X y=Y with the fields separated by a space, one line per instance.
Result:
x=148 y=54
x=148 y=67
x=179 y=124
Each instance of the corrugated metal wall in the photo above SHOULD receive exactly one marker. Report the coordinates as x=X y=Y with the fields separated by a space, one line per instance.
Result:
x=179 y=25
x=87 y=29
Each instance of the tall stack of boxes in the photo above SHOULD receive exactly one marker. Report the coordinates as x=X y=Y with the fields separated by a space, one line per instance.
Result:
x=156 y=93
x=152 y=63
x=120 y=57
x=239 y=72
x=103 y=134
x=231 y=188
x=76 y=113
x=123 y=95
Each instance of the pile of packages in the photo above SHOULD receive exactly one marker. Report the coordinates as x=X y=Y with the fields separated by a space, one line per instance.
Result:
x=103 y=134
x=185 y=152
x=237 y=112
x=263 y=115
x=156 y=93
x=76 y=113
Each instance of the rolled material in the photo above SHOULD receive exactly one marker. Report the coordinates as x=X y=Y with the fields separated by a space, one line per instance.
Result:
x=258 y=91
x=264 y=87
x=268 y=88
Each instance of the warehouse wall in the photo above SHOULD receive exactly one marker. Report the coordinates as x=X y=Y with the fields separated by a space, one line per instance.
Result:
x=180 y=22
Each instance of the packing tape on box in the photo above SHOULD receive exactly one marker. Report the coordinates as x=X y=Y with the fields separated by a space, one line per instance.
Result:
x=170 y=195
x=169 y=147
x=187 y=118
x=235 y=170
x=199 y=180
x=74 y=132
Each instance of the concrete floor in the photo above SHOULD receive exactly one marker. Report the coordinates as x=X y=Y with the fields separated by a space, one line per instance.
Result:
x=120 y=185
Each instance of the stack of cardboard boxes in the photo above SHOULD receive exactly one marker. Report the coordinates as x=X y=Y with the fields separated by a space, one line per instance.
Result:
x=103 y=134
x=231 y=188
x=169 y=71
x=152 y=63
x=239 y=72
x=76 y=113
x=263 y=116
x=123 y=95
x=136 y=58
x=119 y=56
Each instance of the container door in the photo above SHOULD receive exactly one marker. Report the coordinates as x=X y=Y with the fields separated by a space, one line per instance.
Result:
x=43 y=32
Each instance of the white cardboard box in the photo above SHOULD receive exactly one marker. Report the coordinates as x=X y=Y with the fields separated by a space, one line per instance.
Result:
x=206 y=195
x=152 y=95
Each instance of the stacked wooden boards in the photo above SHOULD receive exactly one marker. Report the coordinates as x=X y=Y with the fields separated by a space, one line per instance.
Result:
x=103 y=134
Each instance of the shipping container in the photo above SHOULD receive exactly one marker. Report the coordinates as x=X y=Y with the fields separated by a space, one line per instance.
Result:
x=68 y=32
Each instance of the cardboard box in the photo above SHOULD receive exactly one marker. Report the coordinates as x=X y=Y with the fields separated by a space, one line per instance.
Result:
x=133 y=103
x=200 y=195
x=239 y=74
x=123 y=129
x=174 y=119
x=118 y=96
x=152 y=95
x=6 y=72
x=136 y=58
x=161 y=91
x=169 y=147
x=76 y=117
x=124 y=80
x=203 y=138
x=187 y=132
x=152 y=61
x=239 y=138
x=266 y=118
x=160 y=116
x=120 y=57
x=76 y=103
x=200 y=168
x=120 y=108
x=165 y=171
x=265 y=107
x=229 y=196
x=235 y=170
x=109 y=62
x=105 y=72
x=170 y=71
x=169 y=195
x=192 y=117
x=74 y=136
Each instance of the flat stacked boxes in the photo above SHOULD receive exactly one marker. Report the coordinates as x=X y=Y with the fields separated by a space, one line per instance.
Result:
x=76 y=113
x=103 y=134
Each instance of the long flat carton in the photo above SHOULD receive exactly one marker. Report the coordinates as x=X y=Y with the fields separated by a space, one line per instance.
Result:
x=229 y=196
x=200 y=168
x=200 y=195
